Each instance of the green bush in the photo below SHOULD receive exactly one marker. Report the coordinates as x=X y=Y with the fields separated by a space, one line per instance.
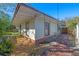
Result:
x=6 y=47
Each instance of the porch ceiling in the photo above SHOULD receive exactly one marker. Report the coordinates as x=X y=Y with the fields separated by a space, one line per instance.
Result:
x=24 y=14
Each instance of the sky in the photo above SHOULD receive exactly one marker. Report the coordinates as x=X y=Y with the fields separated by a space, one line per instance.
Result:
x=68 y=10
x=59 y=10
x=8 y=8
x=56 y=10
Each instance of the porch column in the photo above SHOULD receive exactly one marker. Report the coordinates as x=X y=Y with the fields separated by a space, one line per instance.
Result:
x=20 y=29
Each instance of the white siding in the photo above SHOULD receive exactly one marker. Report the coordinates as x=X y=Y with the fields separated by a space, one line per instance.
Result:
x=39 y=26
x=53 y=28
x=53 y=25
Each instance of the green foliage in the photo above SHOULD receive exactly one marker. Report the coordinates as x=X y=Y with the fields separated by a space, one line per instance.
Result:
x=12 y=33
x=4 y=22
x=71 y=25
x=11 y=28
x=71 y=22
x=6 y=47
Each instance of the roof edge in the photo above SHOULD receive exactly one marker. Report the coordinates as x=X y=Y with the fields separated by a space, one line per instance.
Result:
x=18 y=6
x=16 y=10
x=37 y=10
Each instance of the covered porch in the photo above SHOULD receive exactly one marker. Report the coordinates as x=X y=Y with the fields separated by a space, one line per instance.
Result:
x=24 y=21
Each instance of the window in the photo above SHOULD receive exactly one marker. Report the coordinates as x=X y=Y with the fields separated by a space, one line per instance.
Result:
x=47 y=29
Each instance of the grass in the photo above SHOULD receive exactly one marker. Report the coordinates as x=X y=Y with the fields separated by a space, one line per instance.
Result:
x=11 y=33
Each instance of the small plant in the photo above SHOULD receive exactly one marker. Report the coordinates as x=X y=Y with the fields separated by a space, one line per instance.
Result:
x=6 y=47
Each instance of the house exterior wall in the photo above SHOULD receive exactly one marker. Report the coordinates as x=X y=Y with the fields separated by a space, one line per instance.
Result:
x=36 y=22
x=39 y=26
x=53 y=25
x=36 y=27
x=53 y=29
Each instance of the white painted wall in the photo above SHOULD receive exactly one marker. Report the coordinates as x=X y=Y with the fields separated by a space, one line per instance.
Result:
x=53 y=25
x=53 y=28
x=39 y=26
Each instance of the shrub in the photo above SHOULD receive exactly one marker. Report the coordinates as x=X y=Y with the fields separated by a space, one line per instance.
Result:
x=6 y=47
